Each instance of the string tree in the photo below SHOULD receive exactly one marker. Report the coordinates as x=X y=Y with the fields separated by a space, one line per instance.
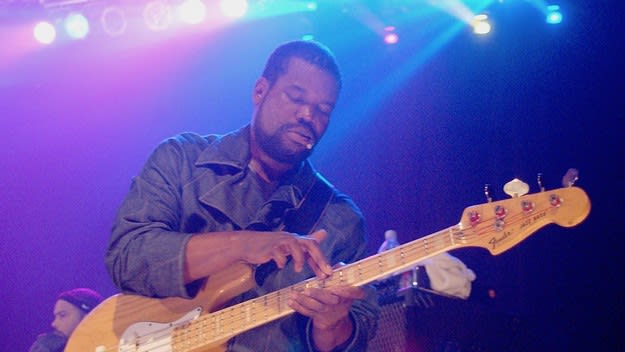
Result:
x=487 y=193
x=539 y=180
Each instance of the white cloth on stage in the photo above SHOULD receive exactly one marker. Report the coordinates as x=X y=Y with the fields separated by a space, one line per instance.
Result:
x=449 y=275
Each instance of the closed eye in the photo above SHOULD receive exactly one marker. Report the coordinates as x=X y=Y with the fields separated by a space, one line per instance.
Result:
x=295 y=95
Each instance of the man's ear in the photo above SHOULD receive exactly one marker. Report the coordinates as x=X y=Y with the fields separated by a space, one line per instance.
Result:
x=260 y=90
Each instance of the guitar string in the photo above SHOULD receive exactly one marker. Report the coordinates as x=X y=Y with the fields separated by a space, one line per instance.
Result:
x=466 y=236
x=234 y=323
x=240 y=322
x=419 y=247
x=433 y=244
x=372 y=265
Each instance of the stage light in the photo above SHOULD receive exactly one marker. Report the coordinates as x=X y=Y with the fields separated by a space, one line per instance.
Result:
x=157 y=15
x=192 y=11
x=554 y=16
x=480 y=24
x=113 y=21
x=312 y=6
x=44 y=32
x=390 y=37
x=76 y=25
x=234 y=8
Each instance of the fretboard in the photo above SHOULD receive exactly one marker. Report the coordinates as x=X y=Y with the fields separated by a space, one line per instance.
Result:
x=229 y=322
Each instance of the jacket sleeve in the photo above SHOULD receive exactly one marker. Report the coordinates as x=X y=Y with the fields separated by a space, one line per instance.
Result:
x=145 y=253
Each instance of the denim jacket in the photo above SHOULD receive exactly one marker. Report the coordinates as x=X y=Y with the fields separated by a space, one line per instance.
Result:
x=194 y=184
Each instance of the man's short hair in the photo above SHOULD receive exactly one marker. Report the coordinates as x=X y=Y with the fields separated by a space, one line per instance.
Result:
x=308 y=50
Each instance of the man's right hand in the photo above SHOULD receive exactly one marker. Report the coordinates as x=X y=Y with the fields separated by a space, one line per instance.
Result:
x=261 y=247
x=209 y=253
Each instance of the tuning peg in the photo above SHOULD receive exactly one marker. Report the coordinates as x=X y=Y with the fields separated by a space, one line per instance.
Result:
x=570 y=177
x=539 y=180
x=487 y=193
x=516 y=188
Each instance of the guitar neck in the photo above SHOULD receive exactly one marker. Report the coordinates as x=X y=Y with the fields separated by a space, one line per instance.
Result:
x=231 y=321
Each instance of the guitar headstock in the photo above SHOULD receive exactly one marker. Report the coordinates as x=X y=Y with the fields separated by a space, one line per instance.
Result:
x=498 y=226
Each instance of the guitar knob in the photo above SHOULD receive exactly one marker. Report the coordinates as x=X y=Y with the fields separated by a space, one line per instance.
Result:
x=516 y=188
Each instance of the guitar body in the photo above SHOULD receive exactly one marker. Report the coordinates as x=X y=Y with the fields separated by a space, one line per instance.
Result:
x=105 y=328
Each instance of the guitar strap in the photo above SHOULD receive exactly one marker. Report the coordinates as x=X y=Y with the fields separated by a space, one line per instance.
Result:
x=303 y=218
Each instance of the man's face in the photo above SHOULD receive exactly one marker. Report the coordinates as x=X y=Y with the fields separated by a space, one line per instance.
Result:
x=66 y=317
x=293 y=113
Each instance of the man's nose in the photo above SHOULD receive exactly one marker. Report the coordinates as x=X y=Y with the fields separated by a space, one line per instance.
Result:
x=305 y=113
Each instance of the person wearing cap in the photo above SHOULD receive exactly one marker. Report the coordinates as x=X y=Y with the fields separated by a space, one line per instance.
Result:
x=70 y=308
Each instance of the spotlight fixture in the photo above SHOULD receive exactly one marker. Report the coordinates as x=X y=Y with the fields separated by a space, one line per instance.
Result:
x=192 y=11
x=480 y=24
x=390 y=37
x=234 y=8
x=76 y=25
x=554 y=16
x=157 y=15
x=113 y=21
x=44 y=32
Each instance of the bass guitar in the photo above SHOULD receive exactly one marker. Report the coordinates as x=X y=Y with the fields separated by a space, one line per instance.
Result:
x=126 y=322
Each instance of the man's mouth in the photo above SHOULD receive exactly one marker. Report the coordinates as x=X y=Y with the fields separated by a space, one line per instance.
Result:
x=303 y=138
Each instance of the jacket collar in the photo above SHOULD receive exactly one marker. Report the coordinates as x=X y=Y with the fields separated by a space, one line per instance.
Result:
x=232 y=152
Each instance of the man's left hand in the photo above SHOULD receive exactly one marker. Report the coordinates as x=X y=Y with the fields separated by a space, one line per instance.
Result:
x=327 y=307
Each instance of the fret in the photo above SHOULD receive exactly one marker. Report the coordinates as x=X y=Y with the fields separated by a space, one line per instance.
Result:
x=220 y=322
x=351 y=274
x=204 y=329
x=214 y=324
x=451 y=236
x=391 y=258
x=233 y=318
x=252 y=311
x=246 y=313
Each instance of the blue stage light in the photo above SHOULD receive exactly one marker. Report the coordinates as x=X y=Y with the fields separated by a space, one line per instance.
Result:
x=554 y=16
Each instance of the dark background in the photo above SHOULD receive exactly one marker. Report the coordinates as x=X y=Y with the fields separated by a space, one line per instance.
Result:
x=420 y=128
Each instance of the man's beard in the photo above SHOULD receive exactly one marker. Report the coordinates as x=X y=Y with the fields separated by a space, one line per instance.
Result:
x=275 y=147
